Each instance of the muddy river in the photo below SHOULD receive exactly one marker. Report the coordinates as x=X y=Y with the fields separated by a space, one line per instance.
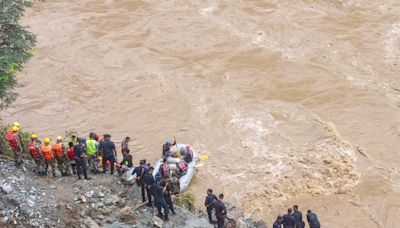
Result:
x=294 y=102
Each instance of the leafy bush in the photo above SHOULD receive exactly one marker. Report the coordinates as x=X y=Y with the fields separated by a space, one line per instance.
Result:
x=185 y=200
x=15 y=46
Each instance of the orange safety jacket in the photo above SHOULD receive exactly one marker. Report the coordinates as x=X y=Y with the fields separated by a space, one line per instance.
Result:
x=47 y=153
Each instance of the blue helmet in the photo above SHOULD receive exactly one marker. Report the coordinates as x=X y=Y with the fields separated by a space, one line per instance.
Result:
x=168 y=142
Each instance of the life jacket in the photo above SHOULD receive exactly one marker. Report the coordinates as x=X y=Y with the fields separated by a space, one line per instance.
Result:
x=12 y=139
x=165 y=167
x=33 y=149
x=47 y=152
x=58 y=149
x=91 y=146
x=183 y=167
x=70 y=153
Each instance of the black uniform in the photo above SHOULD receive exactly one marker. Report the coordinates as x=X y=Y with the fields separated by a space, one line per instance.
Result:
x=108 y=148
x=80 y=162
x=159 y=200
x=313 y=220
x=167 y=195
x=298 y=219
x=220 y=212
x=140 y=171
x=208 y=203
x=277 y=224
x=288 y=221
x=148 y=182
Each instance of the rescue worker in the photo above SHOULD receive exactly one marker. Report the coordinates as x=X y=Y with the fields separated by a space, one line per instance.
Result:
x=313 y=220
x=140 y=171
x=182 y=167
x=220 y=210
x=166 y=148
x=15 y=143
x=188 y=154
x=208 y=203
x=109 y=153
x=159 y=200
x=71 y=157
x=92 y=152
x=48 y=157
x=125 y=144
x=288 y=219
x=74 y=139
x=278 y=222
x=59 y=152
x=34 y=150
x=148 y=180
x=175 y=184
x=298 y=217
x=126 y=162
x=166 y=184
x=164 y=168
x=80 y=155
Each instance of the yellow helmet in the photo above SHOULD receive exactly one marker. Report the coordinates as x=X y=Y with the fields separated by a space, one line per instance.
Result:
x=15 y=129
x=59 y=138
x=16 y=124
x=33 y=136
x=46 y=140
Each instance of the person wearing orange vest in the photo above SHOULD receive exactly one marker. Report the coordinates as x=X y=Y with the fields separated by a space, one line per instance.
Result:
x=15 y=143
x=59 y=152
x=34 y=150
x=48 y=157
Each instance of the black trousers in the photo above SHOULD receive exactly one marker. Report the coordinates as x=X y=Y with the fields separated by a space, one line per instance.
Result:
x=164 y=206
x=110 y=158
x=221 y=222
x=168 y=200
x=209 y=213
x=81 y=167
x=149 y=193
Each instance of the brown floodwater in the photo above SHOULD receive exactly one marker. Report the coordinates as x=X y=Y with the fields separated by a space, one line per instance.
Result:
x=294 y=102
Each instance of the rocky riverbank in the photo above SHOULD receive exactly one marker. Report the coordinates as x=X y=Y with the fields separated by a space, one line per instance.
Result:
x=27 y=200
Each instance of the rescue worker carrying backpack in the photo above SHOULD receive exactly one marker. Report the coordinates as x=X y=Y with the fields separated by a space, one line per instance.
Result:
x=15 y=142
x=59 y=152
x=34 y=150
x=92 y=152
x=48 y=157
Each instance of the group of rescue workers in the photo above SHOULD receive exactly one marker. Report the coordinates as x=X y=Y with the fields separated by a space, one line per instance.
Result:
x=294 y=219
x=80 y=151
x=99 y=152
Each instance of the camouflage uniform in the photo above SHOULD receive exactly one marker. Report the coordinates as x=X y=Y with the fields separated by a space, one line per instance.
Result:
x=63 y=166
x=174 y=185
x=51 y=163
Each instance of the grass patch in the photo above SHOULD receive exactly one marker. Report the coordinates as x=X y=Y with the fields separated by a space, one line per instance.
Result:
x=185 y=200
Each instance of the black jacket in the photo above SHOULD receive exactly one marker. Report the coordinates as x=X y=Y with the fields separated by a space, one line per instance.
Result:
x=148 y=179
x=209 y=200
x=158 y=193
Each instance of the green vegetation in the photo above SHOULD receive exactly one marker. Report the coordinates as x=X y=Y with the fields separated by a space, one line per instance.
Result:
x=15 y=46
x=185 y=200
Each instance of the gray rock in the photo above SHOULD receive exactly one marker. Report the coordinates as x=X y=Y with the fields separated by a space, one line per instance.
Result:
x=100 y=194
x=7 y=189
x=30 y=203
x=108 y=201
x=89 y=194
x=157 y=221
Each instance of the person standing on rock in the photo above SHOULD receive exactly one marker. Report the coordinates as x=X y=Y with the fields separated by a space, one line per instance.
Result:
x=140 y=171
x=312 y=220
x=34 y=150
x=166 y=184
x=109 y=153
x=159 y=199
x=71 y=157
x=48 y=157
x=59 y=152
x=15 y=143
x=92 y=152
x=125 y=145
x=278 y=222
x=220 y=210
x=288 y=219
x=298 y=217
x=209 y=203
x=148 y=180
x=79 y=155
